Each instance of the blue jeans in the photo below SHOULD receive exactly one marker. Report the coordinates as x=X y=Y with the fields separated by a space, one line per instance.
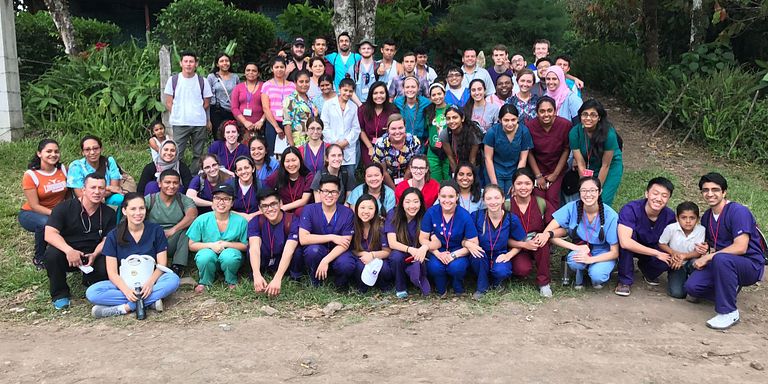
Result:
x=35 y=222
x=106 y=293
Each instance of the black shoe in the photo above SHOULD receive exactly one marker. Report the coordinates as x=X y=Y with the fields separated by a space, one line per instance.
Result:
x=178 y=269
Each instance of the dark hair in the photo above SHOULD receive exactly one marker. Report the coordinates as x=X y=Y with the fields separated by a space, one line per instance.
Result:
x=687 y=206
x=662 y=182
x=521 y=172
x=474 y=189
x=187 y=53
x=326 y=179
x=302 y=72
x=263 y=193
x=470 y=105
x=431 y=111
x=503 y=74
x=151 y=127
x=277 y=59
x=508 y=108
x=545 y=99
x=714 y=177
x=464 y=139
x=597 y=141
x=122 y=228
x=565 y=58
x=389 y=41
x=347 y=82
x=325 y=77
x=420 y=50
x=580 y=208
x=102 y=168
x=382 y=192
x=409 y=53
x=314 y=41
x=263 y=141
x=34 y=163
x=541 y=41
x=168 y=172
x=94 y=176
x=254 y=183
x=224 y=124
x=369 y=111
x=547 y=59
x=328 y=151
x=216 y=62
x=453 y=69
x=345 y=33
x=283 y=179
x=315 y=58
x=526 y=71
x=315 y=119
x=422 y=157
x=464 y=51
x=449 y=183
x=223 y=176
x=400 y=219
x=500 y=47
x=374 y=230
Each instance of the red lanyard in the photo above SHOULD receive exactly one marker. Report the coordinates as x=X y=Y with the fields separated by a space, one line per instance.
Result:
x=490 y=231
x=716 y=231
x=315 y=159
x=526 y=222
x=447 y=234
x=227 y=153
x=271 y=238
x=246 y=207
x=586 y=145
x=294 y=191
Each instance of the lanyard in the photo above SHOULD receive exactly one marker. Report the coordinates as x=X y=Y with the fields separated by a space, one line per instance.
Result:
x=227 y=153
x=411 y=119
x=314 y=158
x=244 y=197
x=716 y=231
x=447 y=234
x=490 y=233
x=526 y=222
x=271 y=237
x=249 y=94
x=294 y=190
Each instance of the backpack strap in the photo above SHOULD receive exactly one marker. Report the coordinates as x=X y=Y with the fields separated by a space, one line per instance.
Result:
x=542 y=205
x=152 y=198
x=175 y=82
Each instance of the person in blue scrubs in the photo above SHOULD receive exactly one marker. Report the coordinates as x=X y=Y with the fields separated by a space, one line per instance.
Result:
x=495 y=227
x=370 y=242
x=273 y=240
x=325 y=233
x=263 y=166
x=733 y=257
x=506 y=147
x=470 y=192
x=408 y=256
x=592 y=227
x=245 y=203
x=444 y=228
x=374 y=186
x=133 y=236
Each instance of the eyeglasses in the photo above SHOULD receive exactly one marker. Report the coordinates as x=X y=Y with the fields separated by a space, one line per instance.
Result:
x=329 y=192
x=314 y=129
x=92 y=149
x=587 y=115
x=418 y=168
x=222 y=199
x=590 y=191
x=274 y=205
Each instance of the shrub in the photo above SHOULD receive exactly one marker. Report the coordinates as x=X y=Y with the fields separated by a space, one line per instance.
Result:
x=110 y=92
x=38 y=39
x=404 y=21
x=306 y=21
x=208 y=26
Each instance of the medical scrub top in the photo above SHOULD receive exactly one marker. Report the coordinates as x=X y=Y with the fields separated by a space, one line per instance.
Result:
x=451 y=232
x=734 y=221
x=227 y=158
x=590 y=231
x=205 y=230
x=151 y=243
x=313 y=220
x=273 y=236
x=506 y=152
x=493 y=240
x=644 y=231
x=244 y=202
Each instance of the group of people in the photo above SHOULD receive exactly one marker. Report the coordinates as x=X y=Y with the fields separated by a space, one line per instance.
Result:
x=448 y=166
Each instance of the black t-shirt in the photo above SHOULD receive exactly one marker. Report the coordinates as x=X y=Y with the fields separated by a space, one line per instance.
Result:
x=79 y=230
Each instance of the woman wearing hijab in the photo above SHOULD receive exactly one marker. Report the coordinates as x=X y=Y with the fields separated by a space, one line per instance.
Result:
x=568 y=103
x=168 y=159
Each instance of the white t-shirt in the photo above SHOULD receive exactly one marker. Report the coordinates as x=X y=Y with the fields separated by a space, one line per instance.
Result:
x=676 y=239
x=187 y=101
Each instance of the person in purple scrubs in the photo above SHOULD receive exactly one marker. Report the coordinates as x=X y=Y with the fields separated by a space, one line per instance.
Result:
x=325 y=233
x=273 y=240
x=370 y=242
x=733 y=257
x=408 y=256
x=641 y=223
x=245 y=204
x=229 y=147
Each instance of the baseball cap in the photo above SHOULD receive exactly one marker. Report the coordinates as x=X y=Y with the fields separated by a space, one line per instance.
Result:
x=224 y=188
x=371 y=272
x=298 y=41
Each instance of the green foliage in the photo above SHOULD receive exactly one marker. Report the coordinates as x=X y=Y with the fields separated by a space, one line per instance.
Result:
x=706 y=59
x=404 y=21
x=605 y=20
x=37 y=39
x=485 y=23
x=110 y=92
x=307 y=21
x=206 y=27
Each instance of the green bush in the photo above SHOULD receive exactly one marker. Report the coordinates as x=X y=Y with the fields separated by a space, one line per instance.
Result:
x=307 y=21
x=111 y=92
x=208 y=26
x=404 y=21
x=38 y=39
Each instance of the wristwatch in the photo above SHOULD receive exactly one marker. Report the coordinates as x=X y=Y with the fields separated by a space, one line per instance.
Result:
x=551 y=234
x=453 y=255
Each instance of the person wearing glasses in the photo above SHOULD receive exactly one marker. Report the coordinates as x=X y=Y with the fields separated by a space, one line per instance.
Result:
x=218 y=239
x=596 y=148
x=591 y=226
x=75 y=235
x=325 y=233
x=421 y=180
x=272 y=244
x=93 y=161
x=201 y=187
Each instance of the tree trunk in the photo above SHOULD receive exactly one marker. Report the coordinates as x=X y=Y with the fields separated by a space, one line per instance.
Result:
x=651 y=35
x=698 y=24
x=356 y=17
x=60 y=13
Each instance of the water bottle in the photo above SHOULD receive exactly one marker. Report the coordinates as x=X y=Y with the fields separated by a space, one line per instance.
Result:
x=140 y=312
x=566 y=272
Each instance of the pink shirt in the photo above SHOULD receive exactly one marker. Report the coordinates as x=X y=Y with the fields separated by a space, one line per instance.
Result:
x=276 y=94
x=242 y=100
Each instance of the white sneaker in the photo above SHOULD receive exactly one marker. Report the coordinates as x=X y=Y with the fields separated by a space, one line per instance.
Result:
x=101 y=311
x=157 y=305
x=545 y=291
x=597 y=286
x=724 y=320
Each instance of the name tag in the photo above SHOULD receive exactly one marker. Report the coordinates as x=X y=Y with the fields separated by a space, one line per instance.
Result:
x=365 y=91
x=279 y=113
x=587 y=173
x=398 y=180
x=247 y=112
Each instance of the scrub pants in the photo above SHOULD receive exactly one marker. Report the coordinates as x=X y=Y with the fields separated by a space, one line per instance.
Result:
x=522 y=265
x=107 y=293
x=650 y=266
x=342 y=267
x=480 y=266
x=612 y=181
x=599 y=273
x=35 y=222
x=208 y=262
x=721 y=279
x=439 y=168
x=178 y=248
x=440 y=273
x=383 y=282
x=415 y=272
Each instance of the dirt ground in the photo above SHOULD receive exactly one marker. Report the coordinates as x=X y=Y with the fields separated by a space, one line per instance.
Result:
x=596 y=337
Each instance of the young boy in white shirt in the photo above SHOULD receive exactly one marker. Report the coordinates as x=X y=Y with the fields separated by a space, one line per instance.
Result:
x=679 y=240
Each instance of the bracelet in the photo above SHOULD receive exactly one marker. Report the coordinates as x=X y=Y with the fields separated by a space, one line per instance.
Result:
x=406 y=249
x=539 y=175
x=551 y=234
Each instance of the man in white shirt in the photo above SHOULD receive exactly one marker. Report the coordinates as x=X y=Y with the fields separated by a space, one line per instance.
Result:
x=472 y=71
x=188 y=96
x=339 y=117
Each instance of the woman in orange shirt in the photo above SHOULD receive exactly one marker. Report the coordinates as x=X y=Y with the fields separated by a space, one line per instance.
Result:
x=44 y=185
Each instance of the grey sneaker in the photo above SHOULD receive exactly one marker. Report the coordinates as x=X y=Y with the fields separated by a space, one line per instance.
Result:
x=622 y=290
x=597 y=286
x=101 y=311
x=545 y=291
x=478 y=295
x=157 y=305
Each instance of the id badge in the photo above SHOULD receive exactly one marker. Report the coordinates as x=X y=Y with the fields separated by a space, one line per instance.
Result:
x=438 y=144
x=247 y=112
x=530 y=236
x=398 y=180
x=272 y=261
x=587 y=173
x=279 y=113
x=365 y=91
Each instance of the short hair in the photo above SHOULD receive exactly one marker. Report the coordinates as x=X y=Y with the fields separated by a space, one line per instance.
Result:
x=541 y=41
x=500 y=47
x=687 y=206
x=345 y=33
x=187 y=53
x=464 y=51
x=94 y=176
x=662 y=182
x=169 y=172
x=330 y=179
x=714 y=177
x=547 y=59
x=420 y=50
x=409 y=53
x=263 y=193
x=347 y=82
x=389 y=42
x=565 y=58
x=319 y=38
